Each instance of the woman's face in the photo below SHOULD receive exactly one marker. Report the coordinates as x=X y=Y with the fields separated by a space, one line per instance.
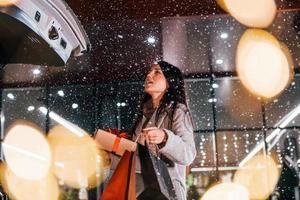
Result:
x=155 y=81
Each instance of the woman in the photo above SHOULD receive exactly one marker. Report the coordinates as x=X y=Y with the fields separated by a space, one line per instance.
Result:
x=165 y=124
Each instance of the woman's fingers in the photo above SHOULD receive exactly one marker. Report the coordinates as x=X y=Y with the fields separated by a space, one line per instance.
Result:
x=149 y=129
x=150 y=132
x=155 y=136
x=152 y=138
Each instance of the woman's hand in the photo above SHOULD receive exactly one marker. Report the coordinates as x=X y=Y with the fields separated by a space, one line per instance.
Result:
x=154 y=135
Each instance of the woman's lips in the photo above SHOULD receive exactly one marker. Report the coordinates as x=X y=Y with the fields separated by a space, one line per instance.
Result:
x=149 y=83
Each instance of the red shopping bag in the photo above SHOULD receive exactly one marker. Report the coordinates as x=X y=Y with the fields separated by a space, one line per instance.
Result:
x=121 y=186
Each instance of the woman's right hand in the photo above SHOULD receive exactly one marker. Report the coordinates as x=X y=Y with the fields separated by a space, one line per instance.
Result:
x=154 y=135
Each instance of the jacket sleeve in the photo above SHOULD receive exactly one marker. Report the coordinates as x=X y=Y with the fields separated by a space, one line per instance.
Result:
x=180 y=145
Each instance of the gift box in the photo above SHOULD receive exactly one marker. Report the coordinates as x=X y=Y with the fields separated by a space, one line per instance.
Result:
x=114 y=141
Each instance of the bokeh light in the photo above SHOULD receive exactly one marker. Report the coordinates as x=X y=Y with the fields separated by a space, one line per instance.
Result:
x=262 y=65
x=252 y=13
x=78 y=162
x=289 y=57
x=24 y=189
x=102 y=169
x=259 y=175
x=222 y=4
x=226 y=191
x=4 y=3
x=27 y=151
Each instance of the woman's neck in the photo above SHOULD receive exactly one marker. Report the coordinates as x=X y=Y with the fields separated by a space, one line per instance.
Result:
x=156 y=99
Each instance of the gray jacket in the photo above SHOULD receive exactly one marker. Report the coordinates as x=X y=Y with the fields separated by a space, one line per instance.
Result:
x=179 y=148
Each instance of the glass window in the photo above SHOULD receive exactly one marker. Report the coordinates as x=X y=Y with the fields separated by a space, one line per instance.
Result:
x=283 y=146
x=198 y=94
x=24 y=104
x=203 y=170
x=74 y=104
x=284 y=110
x=236 y=147
x=197 y=51
x=206 y=150
x=190 y=52
x=224 y=37
x=242 y=159
x=199 y=181
x=129 y=98
x=288 y=21
x=106 y=106
x=235 y=106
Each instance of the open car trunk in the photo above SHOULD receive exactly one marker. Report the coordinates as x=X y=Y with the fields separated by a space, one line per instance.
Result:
x=41 y=32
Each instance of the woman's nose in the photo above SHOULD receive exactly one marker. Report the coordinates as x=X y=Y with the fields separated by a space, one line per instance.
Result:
x=149 y=75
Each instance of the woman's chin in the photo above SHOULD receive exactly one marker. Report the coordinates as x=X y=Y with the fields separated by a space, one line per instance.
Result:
x=147 y=91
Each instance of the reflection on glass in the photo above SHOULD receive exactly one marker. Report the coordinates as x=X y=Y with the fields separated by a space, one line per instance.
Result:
x=198 y=94
x=285 y=108
x=285 y=149
x=235 y=106
x=129 y=96
x=234 y=147
x=21 y=104
x=203 y=170
x=199 y=182
x=288 y=20
x=106 y=106
x=223 y=41
x=190 y=51
x=75 y=105
x=205 y=157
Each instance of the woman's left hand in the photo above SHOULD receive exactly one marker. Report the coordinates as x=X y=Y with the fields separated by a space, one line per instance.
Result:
x=154 y=135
